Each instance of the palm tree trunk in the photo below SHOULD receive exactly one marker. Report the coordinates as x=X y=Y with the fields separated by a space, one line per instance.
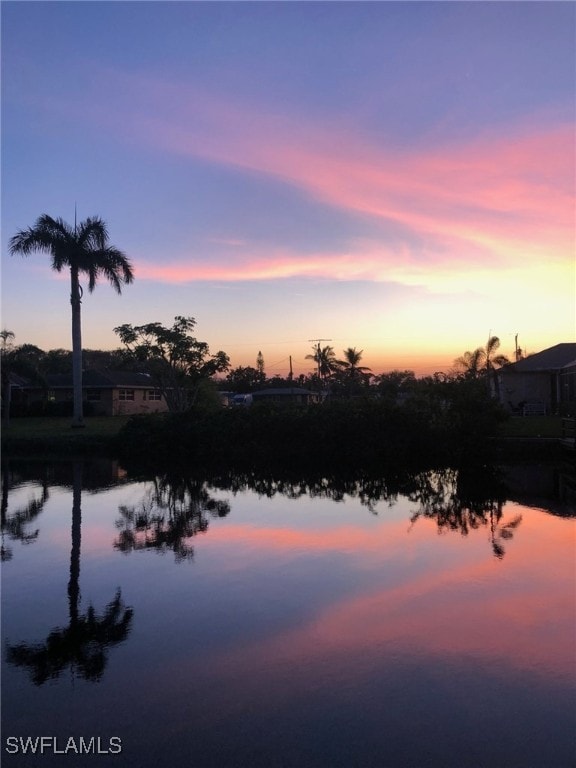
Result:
x=74 y=582
x=6 y=397
x=76 y=302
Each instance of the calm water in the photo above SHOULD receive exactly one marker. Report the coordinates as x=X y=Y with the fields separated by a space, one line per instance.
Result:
x=258 y=622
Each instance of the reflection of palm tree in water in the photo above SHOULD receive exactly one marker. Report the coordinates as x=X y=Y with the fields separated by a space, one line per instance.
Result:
x=83 y=643
x=173 y=511
x=14 y=525
x=461 y=502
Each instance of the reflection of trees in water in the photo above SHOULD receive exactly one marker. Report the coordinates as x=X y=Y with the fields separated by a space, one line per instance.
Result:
x=459 y=500
x=368 y=490
x=464 y=501
x=14 y=524
x=82 y=644
x=177 y=507
x=173 y=511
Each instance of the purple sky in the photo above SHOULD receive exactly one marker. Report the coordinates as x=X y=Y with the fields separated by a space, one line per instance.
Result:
x=397 y=177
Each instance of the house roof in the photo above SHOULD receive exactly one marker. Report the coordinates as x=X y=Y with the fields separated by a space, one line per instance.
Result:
x=101 y=380
x=18 y=381
x=282 y=391
x=551 y=359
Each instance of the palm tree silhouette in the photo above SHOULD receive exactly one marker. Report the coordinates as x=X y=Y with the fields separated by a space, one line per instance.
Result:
x=350 y=366
x=482 y=360
x=83 y=643
x=351 y=362
x=325 y=359
x=14 y=525
x=82 y=249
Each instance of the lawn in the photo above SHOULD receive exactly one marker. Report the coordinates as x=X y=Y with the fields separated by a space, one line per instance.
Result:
x=31 y=435
x=532 y=426
x=42 y=427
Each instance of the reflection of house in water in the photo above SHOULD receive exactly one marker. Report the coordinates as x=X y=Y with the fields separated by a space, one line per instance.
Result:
x=98 y=473
x=548 y=487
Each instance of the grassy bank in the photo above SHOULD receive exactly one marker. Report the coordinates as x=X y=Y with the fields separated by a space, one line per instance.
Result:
x=56 y=435
x=334 y=436
x=532 y=426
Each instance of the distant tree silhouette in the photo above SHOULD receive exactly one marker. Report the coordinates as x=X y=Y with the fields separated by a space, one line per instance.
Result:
x=260 y=368
x=178 y=363
x=244 y=379
x=18 y=361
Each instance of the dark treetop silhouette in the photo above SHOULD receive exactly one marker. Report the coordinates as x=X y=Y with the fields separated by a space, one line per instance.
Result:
x=84 y=249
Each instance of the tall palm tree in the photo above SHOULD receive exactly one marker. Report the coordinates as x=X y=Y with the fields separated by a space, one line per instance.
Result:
x=83 y=249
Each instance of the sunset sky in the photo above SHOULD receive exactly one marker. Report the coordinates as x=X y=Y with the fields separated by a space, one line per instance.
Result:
x=394 y=176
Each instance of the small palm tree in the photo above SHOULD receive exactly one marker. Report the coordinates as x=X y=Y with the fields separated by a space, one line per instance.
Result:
x=325 y=359
x=351 y=363
x=83 y=249
x=483 y=363
x=7 y=338
x=482 y=360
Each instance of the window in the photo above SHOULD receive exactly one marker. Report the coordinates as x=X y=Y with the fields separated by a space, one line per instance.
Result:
x=93 y=395
x=153 y=394
x=125 y=394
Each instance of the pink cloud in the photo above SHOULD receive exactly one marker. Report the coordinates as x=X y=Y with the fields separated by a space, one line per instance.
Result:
x=493 y=200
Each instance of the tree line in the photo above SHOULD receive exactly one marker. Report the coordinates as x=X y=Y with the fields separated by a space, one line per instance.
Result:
x=179 y=364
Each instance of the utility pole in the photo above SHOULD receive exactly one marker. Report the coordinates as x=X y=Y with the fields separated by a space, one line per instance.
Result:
x=318 y=351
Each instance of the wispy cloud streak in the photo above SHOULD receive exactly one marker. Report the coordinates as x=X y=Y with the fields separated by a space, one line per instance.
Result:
x=498 y=201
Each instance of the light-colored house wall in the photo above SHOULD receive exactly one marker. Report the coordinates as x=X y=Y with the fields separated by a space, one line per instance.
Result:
x=109 y=403
x=140 y=404
x=517 y=388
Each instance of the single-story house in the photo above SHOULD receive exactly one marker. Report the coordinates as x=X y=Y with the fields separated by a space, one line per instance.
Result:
x=110 y=393
x=541 y=383
x=285 y=395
